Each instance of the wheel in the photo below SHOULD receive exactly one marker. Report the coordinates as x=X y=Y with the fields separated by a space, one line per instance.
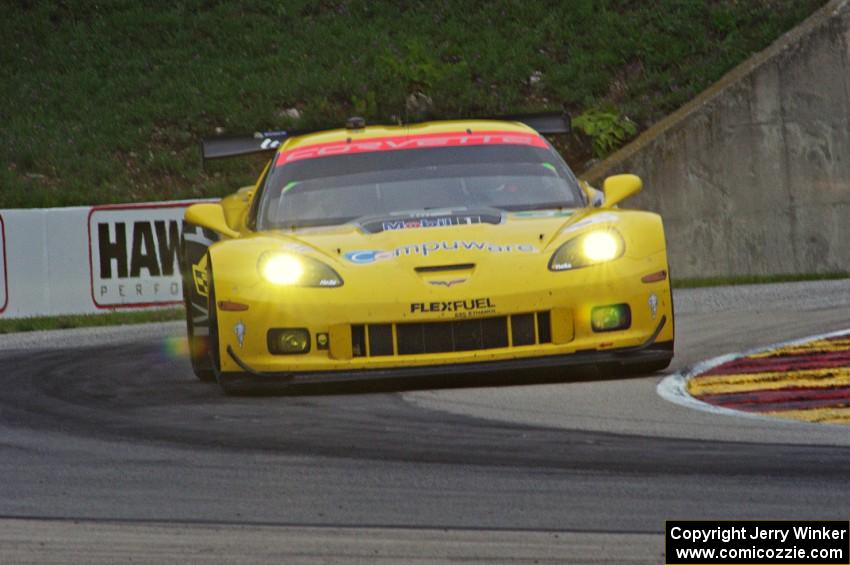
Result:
x=233 y=384
x=193 y=259
x=213 y=350
x=213 y=358
x=197 y=343
x=649 y=367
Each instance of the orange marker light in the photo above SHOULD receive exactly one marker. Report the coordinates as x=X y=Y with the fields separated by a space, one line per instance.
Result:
x=654 y=277
x=229 y=306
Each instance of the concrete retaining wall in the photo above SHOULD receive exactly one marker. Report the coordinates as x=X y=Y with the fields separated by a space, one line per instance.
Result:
x=753 y=176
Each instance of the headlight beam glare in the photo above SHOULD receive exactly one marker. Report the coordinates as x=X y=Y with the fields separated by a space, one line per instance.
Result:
x=600 y=246
x=283 y=269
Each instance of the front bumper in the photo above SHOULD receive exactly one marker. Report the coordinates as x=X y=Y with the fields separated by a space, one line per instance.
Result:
x=648 y=352
x=398 y=298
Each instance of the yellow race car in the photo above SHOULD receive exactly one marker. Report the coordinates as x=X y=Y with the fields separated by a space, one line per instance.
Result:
x=451 y=248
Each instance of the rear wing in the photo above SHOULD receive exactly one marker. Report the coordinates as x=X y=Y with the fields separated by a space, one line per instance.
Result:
x=545 y=123
x=235 y=146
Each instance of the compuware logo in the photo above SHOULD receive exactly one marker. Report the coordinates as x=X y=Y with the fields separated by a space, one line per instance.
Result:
x=367 y=256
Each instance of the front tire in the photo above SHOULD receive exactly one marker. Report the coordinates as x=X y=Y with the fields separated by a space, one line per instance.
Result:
x=198 y=345
x=196 y=241
x=214 y=349
x=213 y=357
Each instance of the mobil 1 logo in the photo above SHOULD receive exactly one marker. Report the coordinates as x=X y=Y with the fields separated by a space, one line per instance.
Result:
x=134 y=253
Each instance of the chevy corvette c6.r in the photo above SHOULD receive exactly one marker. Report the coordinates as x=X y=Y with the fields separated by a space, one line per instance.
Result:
x=456 y=247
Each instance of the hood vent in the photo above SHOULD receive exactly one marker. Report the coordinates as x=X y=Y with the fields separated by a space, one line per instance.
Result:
x=442 y=268
x=429 y=219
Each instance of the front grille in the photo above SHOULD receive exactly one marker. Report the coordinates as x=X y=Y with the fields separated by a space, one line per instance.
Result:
x=415 y=338
x=380 y=339
x=522 y=329
x=358 y=341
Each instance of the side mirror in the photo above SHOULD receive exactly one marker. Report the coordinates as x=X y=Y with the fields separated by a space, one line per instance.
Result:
x=210 y=216
x=246 y=192
x=619 y=187
x=594 y=196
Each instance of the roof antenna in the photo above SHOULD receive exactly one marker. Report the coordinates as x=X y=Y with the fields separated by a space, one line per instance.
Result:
x=355 y=123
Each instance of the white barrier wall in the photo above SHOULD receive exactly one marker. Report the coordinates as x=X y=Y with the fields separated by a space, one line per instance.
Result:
x=88 y=260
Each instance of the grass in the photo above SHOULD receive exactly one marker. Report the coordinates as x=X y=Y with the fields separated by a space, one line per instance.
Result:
x=89 y=320
x=166 y=315
x=106 y=101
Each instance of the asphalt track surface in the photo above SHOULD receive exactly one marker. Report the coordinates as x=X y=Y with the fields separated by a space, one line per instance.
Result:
x=111 y=452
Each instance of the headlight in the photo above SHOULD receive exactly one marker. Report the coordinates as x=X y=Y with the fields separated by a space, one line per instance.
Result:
x=290 y=269
x=283 y=269
x=599 y=246
x=592 y=248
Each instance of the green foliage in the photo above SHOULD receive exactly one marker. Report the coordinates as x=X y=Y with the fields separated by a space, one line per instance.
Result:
x=607 y=129
x=105 y=101
x=417 y=66
x=40 y=323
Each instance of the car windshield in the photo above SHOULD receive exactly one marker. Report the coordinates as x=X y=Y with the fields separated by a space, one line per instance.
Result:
x=338 y=189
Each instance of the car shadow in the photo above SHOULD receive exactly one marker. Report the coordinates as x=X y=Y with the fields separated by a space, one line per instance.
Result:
x=436 y=382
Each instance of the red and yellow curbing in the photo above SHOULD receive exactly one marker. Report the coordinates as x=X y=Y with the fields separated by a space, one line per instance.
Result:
x=803 y=380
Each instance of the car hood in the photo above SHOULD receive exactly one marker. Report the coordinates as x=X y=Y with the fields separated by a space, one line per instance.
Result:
x=413 y=242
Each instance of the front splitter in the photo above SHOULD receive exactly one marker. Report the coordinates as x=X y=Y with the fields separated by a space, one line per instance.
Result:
x=646 y=353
